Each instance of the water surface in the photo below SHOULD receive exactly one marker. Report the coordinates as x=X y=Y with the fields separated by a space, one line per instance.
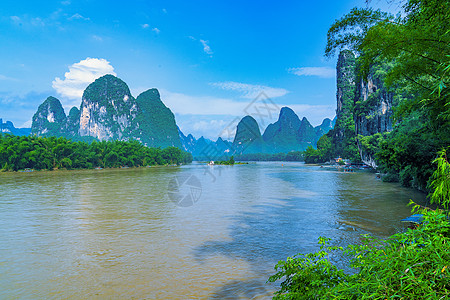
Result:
x=117 y=233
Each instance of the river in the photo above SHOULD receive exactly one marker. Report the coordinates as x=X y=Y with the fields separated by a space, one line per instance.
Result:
x=189 y=232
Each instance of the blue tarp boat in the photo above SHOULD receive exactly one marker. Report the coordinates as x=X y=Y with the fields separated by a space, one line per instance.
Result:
x=417 y=219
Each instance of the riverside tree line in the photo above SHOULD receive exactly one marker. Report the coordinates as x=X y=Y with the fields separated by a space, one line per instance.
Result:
x=49 y=153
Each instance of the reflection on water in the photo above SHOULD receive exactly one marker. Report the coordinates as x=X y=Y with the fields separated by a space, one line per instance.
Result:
x=116 y=233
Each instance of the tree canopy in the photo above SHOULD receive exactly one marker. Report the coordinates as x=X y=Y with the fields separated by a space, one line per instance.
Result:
x=48 y=153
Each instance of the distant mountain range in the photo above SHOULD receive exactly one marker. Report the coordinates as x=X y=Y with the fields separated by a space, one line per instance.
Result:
x=8 y=127
x=108 y=111
x=289 y=133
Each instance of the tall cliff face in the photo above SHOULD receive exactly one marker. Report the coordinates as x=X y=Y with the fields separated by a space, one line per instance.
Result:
x=344 y=129
x=373 y=109
x=364 y=108
x=107 y=110
x=373 y=106
x=155 y=122
x=345 y=83
x=50 y=118
x=343 y=136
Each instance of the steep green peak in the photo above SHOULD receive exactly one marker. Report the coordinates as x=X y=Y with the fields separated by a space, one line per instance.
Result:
x=49 y=118
x=250 y=123
x=326 y=123
x=288 y=118
x=286 y=111
x=247 y=130
x=152 y=94
x=107 y=87
x=151 y=97
x=305 y=122
x=74 y=113
x=53 y=102
x=52 y=109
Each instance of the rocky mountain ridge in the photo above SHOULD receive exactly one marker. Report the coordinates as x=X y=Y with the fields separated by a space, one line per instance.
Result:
x=288 y=134
x=108 y=111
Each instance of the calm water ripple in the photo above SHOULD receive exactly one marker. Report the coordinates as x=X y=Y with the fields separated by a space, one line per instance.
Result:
x=117 y=234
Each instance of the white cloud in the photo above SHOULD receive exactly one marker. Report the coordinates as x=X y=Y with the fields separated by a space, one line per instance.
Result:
x=28 y=21
x=15 y=19
x=323 y=72
x=251 y=91
x=156 y=30
x=80 y=75
x=97 y=38
x=145 y=26
x=206 y=47
x=67 y=2
x=77 y=16
x=3 y=77
x=164 y=10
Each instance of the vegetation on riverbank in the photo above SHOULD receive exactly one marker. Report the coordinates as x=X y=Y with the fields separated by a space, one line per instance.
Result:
x=229 y=162
x=414 y=264
x=406 y=59
x=50 y=153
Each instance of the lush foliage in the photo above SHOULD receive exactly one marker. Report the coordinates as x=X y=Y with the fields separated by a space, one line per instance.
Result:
x=156 y=121
x=413 y=264
x=440 y=181
x=323 y=153
x=409 y=265
x=410 y=52
x=228 y=162
x=48 y=153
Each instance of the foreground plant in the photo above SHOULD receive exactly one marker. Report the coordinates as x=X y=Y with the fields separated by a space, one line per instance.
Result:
x=409 y=265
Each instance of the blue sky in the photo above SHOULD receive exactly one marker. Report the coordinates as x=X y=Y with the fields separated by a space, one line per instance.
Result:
x=209 y=59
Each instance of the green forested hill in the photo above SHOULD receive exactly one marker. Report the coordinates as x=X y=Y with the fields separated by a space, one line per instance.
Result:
x=109 y=112
x=156 y=122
